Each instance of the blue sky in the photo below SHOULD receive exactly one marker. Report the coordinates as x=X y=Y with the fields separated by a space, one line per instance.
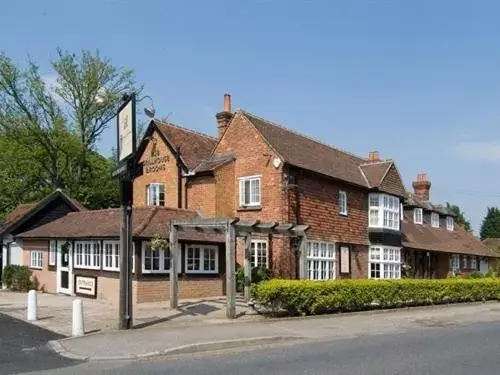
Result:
x=418 y=81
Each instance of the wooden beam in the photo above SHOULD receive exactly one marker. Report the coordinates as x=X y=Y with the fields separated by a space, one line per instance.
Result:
x=302 y=253
x=230 y=271
x=246 y=224
x=248 y=266
x=204 y=222
x=283 y=227
x=174 y=254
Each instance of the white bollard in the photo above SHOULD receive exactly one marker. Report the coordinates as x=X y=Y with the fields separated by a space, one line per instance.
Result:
x=32 y=305
x=78 y=328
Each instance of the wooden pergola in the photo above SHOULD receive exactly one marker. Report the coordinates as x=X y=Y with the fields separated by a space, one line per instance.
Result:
x=232 y=228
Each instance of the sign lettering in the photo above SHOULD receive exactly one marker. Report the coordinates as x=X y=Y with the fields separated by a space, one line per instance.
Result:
x=86 y=286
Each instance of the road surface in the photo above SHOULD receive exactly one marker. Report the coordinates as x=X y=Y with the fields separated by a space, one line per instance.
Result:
x=454 y=350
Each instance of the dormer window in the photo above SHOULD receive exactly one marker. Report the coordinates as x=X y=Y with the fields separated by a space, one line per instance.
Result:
x=418 y=216
x=435 y=220
x=450 y=225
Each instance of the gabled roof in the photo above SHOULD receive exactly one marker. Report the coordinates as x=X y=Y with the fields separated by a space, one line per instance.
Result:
x=194 y=146
x=25 y=211
x=147 y=222
x=375 y=172
x=307 y=153
x=457 y=241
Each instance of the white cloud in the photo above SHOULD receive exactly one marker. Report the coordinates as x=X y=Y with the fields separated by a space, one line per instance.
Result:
x=479 y=150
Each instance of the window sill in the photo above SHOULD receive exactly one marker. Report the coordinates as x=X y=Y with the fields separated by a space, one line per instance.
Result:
x=249 y=208
x=343 y=214
x=86 y=268
x=37 y=268
x=202 y=272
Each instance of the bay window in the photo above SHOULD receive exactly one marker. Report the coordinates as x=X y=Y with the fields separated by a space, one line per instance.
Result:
x=157 y=261
x=384 y=262
x=88 y=254
x=383 y=211
x=320 y=260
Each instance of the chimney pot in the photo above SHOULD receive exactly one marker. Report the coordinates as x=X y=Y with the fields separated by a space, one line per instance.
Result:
x=374 y=156
x=227 y=102
x=422 y=186
x=224 y=118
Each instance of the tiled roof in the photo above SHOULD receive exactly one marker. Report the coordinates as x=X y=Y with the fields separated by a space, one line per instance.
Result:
x=25 y=210
x=213 y=163
x=307 y=153
x=147 y=222
x=194 y=146
x=375 y=172
x=458 y=241
x=415 y=201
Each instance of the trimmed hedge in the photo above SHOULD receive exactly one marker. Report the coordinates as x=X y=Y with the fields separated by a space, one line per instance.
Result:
x=303 y=297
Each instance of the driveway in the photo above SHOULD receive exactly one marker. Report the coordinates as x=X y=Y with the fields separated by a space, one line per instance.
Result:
x=23 y=348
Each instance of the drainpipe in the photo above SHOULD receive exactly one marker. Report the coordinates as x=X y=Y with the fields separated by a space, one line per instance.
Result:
x=179 y=177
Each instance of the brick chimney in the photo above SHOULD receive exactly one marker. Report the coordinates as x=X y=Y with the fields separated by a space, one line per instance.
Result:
x=374 y=156
x=224 y=117
x=422 y=186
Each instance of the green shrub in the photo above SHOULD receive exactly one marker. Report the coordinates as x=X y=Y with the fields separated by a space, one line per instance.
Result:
x=476 y=275
x=258 y=274
x=490 y=274
x=303 y=297
x=17 y=277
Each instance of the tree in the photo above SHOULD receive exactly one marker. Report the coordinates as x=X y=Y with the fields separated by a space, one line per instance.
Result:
x=490 y=228
x=460 y=218
x=48 y=134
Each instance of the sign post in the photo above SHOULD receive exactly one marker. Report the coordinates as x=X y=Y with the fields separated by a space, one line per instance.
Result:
x=126 y=142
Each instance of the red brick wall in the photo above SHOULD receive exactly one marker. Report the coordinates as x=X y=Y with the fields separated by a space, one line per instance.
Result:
x=201 y=195
x=254 y=157
x=224 y=177
x=168 y=176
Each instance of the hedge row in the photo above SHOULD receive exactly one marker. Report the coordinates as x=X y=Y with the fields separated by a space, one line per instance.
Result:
x=302 y=297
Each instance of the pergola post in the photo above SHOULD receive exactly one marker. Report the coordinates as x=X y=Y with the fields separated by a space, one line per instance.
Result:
x=174 y=254
x=230 y=271
x=303 y=257
x=248 y=266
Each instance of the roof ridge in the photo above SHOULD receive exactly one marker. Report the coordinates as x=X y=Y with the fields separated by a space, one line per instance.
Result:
x=162 y=122
x=302 y=135
x=377 y=162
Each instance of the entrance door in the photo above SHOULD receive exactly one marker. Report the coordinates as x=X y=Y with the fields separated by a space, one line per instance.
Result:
x=64 y=269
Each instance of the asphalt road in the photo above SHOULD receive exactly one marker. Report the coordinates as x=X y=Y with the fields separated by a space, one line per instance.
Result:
x=458 y=350
x=23 y=348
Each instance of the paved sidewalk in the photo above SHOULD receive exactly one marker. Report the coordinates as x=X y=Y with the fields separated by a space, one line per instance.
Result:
x=55 y=312
x=153 y=341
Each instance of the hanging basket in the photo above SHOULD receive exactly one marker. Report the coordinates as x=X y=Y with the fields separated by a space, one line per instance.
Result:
x=159 y=243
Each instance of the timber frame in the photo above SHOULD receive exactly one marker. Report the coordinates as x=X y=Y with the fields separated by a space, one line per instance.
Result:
x=233 y=228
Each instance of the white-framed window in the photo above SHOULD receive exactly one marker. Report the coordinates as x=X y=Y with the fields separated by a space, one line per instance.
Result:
x=418 y=215
x=202 y=259
x=36 y=259
x=342 y=202
x=157 y=261
x=52 y=253
x=384 y=262
x=450 y=223
x=250 y=191
x=320 y=260
x=111 y=255
x=88 y=254
x=383 y=211
x=473 y=263
x=259 y=256
x=155 y=194
x=455 y=262
x=435 y=220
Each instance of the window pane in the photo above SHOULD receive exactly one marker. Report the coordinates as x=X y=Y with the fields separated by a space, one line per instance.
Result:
x=247 y=192
x=166 y=260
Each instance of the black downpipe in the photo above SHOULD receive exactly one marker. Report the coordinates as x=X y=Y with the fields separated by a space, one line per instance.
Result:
x=179 y=177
